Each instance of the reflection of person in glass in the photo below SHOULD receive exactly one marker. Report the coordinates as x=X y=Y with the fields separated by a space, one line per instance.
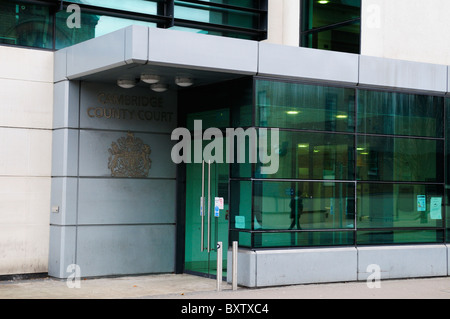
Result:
x=296 y=206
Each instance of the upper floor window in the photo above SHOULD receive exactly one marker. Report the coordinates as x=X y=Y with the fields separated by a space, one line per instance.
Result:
x=47 y=23
x=331 y=25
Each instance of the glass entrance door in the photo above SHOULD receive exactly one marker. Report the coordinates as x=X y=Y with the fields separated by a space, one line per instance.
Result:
x=205 y=225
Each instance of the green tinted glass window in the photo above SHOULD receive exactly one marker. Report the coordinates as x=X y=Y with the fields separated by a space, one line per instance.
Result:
x=447 y=164
x=26 y=24
x=250 y=4
x=304 y=205
x=325 y=13
x=91 y=26
x=303 y=239
x=409 y=236
x=399 y=205
x=243 y=238
x=400 y=159
x=400 y=114
x=141 y=6
x=240 y=204
x=331 y=25
x=306 y=107
x=318 y=156
x=58 y=24
x=216 y=15
x=342 y=39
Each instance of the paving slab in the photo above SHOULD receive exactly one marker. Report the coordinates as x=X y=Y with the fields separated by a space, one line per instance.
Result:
x=189 y=287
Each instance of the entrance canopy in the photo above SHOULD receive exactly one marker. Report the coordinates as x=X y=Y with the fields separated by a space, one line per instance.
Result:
x=130 y=52
x=207 y=59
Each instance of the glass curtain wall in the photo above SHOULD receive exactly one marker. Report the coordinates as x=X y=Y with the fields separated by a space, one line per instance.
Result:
x=57 y=24
x=447 y=168
x=356 y=167
x=331 y=25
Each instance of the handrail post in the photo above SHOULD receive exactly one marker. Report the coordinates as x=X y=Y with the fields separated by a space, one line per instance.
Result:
x=219 y=266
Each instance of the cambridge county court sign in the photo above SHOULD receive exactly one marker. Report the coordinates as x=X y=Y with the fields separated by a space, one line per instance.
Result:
x=104 y=106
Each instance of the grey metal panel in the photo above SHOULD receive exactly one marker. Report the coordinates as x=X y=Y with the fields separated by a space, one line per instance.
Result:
x=60 y=65
x=246 y=265
x=136 y=44
x=64 y=195
x=448 y=259
x=448 y=79
x=66 y=104
x=65 y=152
x=305 y=63
x=61 y=250
x=107 y=106
x=400 y=74
x=281 y=267
x=127 y=249
x=126 y=201
x=95 y=154
x=200 y=51
x=403 y=261
x=95 y=55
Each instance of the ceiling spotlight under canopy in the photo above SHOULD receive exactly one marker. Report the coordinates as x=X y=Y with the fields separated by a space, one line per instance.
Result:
x=150 y=78
x=183 y=81
x=159 y=87
x=126 y=83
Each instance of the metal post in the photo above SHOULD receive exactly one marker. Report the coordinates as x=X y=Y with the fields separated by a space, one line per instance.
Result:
x=234 y=267
x=219 y=266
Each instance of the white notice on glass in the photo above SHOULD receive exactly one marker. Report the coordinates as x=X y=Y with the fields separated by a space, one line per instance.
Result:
x=436 y=208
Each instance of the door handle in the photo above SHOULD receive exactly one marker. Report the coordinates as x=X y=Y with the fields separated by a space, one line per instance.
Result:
x=209 y=205
x=202 y=207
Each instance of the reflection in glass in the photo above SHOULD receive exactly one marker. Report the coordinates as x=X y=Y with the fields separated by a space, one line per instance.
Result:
x=400 y=114
x=26 y=25
x=319 y=156
x=399 y=205
x=241 y=204
x=447 y=165
x=303 y=239
x=303 y=205
x=216 y=15
x=140 y=6
x=400 y=159
x=399 y=236
x=332 y=12
x=306 y=107
x=341 y=39
x=331 y=25
x=91 y=26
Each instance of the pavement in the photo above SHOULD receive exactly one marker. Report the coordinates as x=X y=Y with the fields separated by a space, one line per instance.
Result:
x=188 y=287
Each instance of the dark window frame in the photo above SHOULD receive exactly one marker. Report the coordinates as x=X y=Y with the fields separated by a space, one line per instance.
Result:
x=164 y=17
x=305 y=31
x=441 y=231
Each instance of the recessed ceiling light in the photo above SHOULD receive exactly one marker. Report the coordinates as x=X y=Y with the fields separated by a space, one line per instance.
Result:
x=183 y=81
x=341 y=116
x=292 y=112
x=159 y=87
x=126 y=83
x=323 y=1
x=150 y=78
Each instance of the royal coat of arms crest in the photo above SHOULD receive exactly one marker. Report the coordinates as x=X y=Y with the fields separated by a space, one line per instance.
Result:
x=129 y=157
